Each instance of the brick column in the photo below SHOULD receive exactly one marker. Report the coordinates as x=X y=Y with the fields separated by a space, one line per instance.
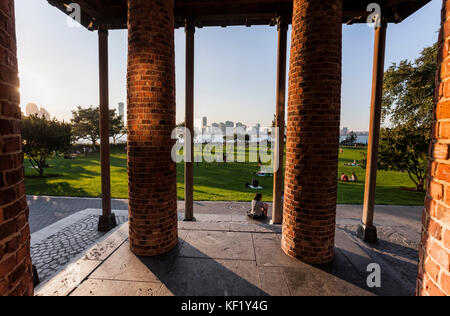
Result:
x=15 y=261
x=313 y=131
x=151 y=119
x=434 y=252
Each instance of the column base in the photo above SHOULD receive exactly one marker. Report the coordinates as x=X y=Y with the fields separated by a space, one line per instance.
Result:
x=106 y=223
x=189 y=220
x=308 y=258
x=367 y=233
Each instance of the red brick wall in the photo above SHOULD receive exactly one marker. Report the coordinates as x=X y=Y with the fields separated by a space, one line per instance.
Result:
x=15 y=261
x=434 y=252
x=313 y=131
x=151 y=119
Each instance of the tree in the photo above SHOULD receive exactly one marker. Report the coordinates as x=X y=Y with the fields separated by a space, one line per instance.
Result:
x=86 y=124
x=41 y=138
x=405 y=148
x=117 y=128
x=408 y=106
x=350 y=140
x=409 y=90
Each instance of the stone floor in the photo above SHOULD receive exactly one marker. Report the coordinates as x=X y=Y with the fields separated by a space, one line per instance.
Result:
x=225 y=253
x=54 y=247
x=46 y=210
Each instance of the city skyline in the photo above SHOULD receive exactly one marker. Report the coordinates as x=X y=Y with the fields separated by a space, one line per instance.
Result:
x=33 y=109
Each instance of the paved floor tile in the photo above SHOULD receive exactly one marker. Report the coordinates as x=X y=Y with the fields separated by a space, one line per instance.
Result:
x=210 y=277
x=53 y=253
x=310 y=281
x=117 y=288
x=218 y=245
x=125 y=266
x=273 y=281
x=269 y=253
x=67 y=280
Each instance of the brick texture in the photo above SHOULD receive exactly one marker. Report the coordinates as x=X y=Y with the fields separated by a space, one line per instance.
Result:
x=434 y=253
x=15 y=261
x=151 y=119
x=313 y=131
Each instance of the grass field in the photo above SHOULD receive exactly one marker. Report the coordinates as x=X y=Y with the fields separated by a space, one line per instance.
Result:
x=214 y=182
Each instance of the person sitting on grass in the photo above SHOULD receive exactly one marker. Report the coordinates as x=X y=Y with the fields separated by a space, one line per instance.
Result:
x=353 y=178
x=344 y=178
x=259 y=208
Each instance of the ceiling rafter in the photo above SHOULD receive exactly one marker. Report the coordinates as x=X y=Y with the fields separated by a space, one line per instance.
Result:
x=232 y=12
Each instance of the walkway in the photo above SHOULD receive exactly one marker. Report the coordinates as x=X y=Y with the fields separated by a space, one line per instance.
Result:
x=246 y=258
x=45 y=210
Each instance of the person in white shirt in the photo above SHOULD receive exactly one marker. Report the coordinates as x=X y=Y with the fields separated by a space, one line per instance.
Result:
x=259 y=208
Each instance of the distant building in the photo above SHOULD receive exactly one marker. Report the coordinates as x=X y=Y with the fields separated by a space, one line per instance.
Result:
x=122 y=109
x=344 y=131
x=204 y=122
x=44 y=113
x=240 y=127
x=222 y=127
x=31 y=109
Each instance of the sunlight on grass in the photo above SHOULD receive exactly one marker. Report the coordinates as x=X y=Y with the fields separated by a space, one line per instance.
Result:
x=213 y=181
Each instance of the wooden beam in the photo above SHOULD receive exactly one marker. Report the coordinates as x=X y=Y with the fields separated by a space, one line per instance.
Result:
x=233 y=12
x=189 y=122
x=278 y=184
x=367 y=230
x=107 y=220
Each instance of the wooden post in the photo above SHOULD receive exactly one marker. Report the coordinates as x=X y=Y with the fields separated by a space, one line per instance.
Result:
x=277 y=208
x=189 y=137
x=367 y=231
x=108 y=220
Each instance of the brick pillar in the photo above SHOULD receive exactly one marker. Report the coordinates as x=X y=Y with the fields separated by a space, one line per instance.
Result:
x=15 y=261
x=151 y=119
x=313 y=131
x=434 y=252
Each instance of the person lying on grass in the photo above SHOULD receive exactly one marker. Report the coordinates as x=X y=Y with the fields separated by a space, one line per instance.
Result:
x=259 y=208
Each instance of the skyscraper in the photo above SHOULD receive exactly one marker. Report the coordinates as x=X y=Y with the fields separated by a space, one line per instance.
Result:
x=44 y=114
x=204 y=122
x=121 y=109
x=344 y=131
x=229 y=124
x=31 y=109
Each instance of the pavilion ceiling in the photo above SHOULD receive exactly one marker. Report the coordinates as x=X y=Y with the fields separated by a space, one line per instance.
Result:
x=231 y=12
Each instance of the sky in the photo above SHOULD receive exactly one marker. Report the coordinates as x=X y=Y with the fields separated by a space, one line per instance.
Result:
x=235 y=67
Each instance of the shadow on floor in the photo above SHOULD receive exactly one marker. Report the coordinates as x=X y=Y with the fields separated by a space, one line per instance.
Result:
x=201 y=275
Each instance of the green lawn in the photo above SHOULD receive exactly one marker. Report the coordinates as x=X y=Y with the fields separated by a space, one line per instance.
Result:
x=215 y=182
